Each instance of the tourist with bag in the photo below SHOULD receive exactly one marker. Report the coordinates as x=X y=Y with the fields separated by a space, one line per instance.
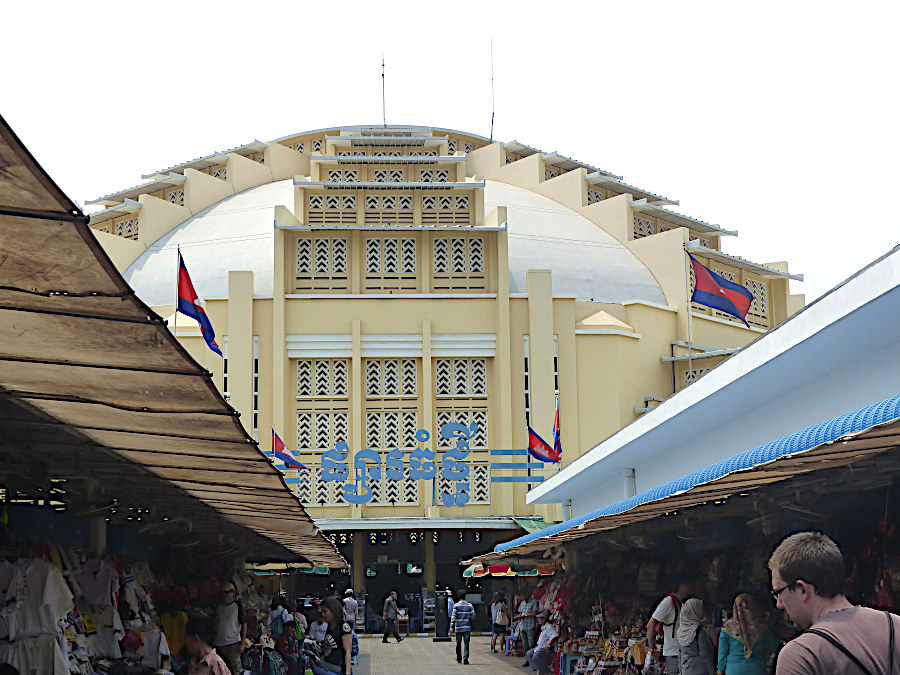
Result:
x=807 y=581
x=664 y=624
x=499 y=621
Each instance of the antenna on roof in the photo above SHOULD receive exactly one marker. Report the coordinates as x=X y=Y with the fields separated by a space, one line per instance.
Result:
x=492 y=90
x=383 y=109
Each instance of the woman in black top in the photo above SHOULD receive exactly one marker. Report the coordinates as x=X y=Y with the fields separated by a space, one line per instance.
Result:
x=338 y=638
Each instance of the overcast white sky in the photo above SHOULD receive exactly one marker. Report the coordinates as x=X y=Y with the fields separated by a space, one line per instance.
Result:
x=778 y=119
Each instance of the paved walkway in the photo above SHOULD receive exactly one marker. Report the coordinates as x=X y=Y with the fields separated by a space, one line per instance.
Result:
x=423 y=656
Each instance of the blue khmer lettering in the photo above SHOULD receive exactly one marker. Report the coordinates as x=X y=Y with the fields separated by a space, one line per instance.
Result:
x=422 y=466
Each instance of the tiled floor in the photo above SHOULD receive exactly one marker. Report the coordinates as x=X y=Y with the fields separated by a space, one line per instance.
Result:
x=422 y=655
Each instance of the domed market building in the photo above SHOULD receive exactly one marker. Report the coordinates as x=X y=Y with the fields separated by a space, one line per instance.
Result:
x=370 y=285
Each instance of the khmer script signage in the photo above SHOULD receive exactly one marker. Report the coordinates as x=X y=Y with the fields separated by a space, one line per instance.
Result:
x=422 y=465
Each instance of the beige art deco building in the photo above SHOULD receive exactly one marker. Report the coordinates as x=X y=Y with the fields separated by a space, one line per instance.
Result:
x=368 y=282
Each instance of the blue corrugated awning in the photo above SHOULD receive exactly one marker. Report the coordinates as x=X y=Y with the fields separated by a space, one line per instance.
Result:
x=793 y=454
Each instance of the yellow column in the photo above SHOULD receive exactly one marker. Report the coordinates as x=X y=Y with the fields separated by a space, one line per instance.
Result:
x=540 y=352
x=240 y=344
x=356 y=403
x=503 y=494
x=426 y=259
x=357 y=256
x=279 y=345
x=430 y=568
x=568 y=382
x=358 y=565
x=428 y=415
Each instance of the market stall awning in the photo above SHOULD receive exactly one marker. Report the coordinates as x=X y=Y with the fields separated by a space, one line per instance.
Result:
x=96 y=392
x=531 y=523
x=844 y=440
x=506 y=570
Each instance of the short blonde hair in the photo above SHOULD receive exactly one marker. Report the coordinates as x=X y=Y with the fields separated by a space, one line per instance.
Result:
x=812 y=557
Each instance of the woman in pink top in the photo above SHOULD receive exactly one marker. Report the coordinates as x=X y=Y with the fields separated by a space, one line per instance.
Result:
x=199 y=633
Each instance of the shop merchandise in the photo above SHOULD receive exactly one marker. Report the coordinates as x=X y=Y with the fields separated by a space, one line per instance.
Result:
x=66 y=613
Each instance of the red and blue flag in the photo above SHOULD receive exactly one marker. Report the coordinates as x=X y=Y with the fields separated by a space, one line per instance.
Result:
x=557 y=443
x=540 y=449
x=281 y=453
x=714 y=290
x=189 y=305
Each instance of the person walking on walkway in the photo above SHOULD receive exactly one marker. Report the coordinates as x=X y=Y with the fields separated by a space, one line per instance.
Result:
x=540 y=657
x=461 y=625
x=351 y=607
x=389 y=615
x=744 y=642
x=499 y=622
x=526 y=613
x=807 y=579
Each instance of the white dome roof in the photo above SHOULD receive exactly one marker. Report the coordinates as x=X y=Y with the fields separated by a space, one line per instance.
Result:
x=587 y=262
x=237 y=234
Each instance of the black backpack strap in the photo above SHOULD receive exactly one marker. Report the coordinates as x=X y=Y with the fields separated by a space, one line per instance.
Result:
x=891 y=643
x=841 y=647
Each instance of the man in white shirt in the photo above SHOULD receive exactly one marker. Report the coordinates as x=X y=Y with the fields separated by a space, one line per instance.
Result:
x=666 y=616
x=351 y=608
x=231 y=628
x=540 y=657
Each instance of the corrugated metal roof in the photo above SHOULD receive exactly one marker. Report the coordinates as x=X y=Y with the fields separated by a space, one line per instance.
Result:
x=734 y=261
x=806 y=450
x=606 y=181
x=123 y=209
x=644 y=206
x=199 y=164
x=161 y=183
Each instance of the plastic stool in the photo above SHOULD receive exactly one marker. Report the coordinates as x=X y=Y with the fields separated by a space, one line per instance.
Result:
x=514 y=646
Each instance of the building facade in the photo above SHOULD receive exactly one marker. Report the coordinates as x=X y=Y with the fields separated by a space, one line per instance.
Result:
x=371 y=285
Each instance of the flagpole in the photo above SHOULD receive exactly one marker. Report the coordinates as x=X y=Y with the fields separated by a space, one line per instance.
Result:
x=687 y=297
x=177 y=282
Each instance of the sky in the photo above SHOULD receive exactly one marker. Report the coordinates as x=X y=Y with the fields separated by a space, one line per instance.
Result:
x=776 y=119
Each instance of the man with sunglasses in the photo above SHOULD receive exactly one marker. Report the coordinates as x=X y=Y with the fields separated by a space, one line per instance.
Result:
x=807 y=581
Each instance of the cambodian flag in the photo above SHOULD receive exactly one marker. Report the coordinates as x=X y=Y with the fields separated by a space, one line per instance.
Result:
x=557 y=443
x=540 y=449
x=189 y=305
x=281 y=452
x=714 y=290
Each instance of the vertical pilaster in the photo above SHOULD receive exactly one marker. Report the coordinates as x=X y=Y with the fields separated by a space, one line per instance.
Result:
x=427 y=399
x=540 y=348
x=426 y=257
x=240 y=344
x=358 y=564
x=502 y=494
x=280 y=399
x=568 y=382
x=430 y=567
x=540 y=354
x=357 y=256
x=357 y=403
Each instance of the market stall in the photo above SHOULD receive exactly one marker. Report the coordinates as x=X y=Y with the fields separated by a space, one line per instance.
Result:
x=718 y=527
x=129 y=491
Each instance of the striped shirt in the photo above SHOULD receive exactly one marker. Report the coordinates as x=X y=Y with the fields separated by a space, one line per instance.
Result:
x=463 y=614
